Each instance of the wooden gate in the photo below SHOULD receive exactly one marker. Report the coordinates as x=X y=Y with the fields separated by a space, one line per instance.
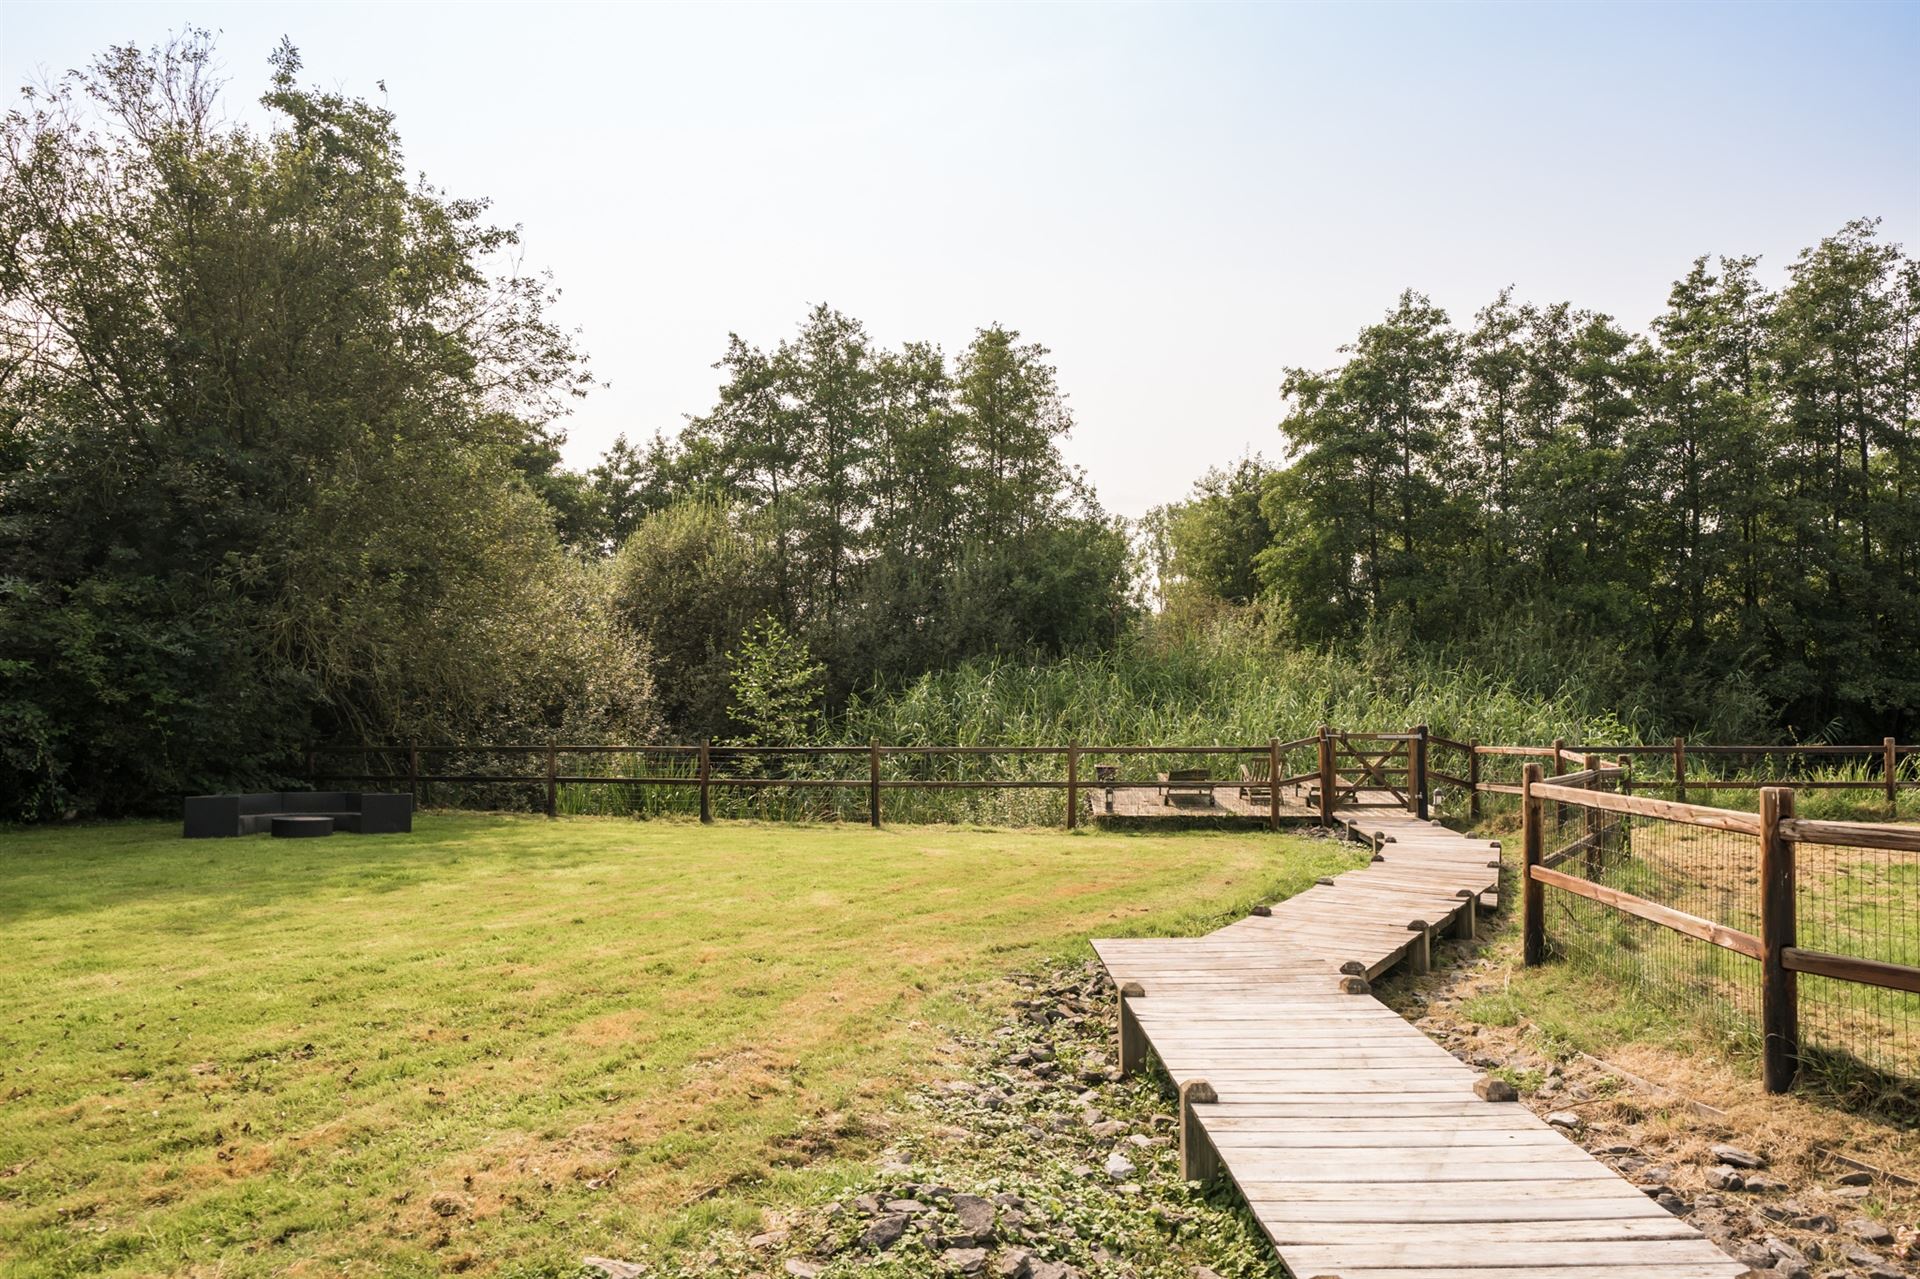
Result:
x=1373 y=769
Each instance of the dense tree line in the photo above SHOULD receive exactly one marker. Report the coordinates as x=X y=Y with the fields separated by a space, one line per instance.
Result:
x=895 y=513
x=280 y=464
x=1722 y=511
x=261 y=403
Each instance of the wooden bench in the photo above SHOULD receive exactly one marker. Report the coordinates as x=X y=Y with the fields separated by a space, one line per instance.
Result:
x=1185 y=781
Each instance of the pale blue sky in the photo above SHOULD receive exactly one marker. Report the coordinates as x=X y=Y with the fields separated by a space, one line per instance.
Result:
x=1182 y=201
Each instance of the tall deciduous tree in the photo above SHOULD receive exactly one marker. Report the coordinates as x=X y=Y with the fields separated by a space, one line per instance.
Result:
x=262 y=402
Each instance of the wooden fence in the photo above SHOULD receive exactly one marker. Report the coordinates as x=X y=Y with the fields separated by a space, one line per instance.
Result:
x=1330 y=768
x=715 y=768
x=1681 y=765
x=1600 y=790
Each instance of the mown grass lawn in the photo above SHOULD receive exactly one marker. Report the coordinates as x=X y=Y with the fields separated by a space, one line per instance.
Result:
x=498 y=1043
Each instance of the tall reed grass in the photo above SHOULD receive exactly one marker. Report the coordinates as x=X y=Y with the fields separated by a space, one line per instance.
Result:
x=1224 y=682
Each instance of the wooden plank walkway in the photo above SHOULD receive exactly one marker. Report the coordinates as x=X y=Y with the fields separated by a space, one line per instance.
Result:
x=1359 y=1143
x=1137 y=801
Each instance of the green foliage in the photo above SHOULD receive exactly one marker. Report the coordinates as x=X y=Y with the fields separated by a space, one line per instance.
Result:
x=268 y=442
x=1722 y=513
x=777 y=687
x=1225 y=681
x=689 y=581
x=914 y=515
x=1207 y=547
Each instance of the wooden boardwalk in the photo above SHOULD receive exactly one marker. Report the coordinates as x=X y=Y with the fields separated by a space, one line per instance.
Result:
x=1359 y=1143
x=1135 y=801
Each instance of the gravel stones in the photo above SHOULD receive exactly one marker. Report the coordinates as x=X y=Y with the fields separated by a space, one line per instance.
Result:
x=1493 y=1088
x=612 y=1268
x=966 y=1261
x=975 y=1215
x=1737 y=1157
x=885 y=1231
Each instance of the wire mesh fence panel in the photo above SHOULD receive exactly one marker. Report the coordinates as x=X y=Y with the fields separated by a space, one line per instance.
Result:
x=1862 y=903
x=1500 y=809
x=1708 y=873
x=1449 y=779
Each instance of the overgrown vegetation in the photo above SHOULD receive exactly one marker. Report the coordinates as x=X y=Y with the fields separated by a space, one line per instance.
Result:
x=1721 y=514
x=259 y=407
x=497 y=1044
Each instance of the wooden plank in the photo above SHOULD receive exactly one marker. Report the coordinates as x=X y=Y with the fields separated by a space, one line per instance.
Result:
x=1595 y=1254
x=1643 y=806
x=1902 y=839
x=1463 y=1201
x=1678 y=920
x=1253 y=1160
x=1869 y=972
x=1296 y=1137
x=1727 y=1270
x=1548 y=1192
x=1464 y=1232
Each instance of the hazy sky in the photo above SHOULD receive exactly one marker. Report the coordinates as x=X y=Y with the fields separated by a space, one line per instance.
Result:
x=1181 y=201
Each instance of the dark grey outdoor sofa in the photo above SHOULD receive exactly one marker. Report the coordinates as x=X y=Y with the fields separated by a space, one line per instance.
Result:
x=209 y=816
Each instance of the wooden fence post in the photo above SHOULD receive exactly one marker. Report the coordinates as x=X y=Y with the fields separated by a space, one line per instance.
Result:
x=1624 y=821
x=1199 y=1161
x=1680 y=770
x=1533 y=921
x=1133 y=1040
x=706 y=777
x=1273 y=783
x=1779 y=988
x=873 y=784
x=1473 y=781
x=1592 y=825
x=1417 y=772
x=1073 y=784
x=553 y=787
x=1559 y=756
x=1892 y=767
x=1326 y=775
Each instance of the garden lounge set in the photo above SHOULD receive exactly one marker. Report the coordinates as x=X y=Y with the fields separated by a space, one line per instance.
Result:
x=297 y=814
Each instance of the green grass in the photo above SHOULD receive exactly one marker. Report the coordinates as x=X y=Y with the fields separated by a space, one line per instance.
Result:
x=499 y=1043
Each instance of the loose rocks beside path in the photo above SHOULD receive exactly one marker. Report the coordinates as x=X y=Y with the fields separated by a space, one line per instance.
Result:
x=1039 y=1162
x=1757 y=1187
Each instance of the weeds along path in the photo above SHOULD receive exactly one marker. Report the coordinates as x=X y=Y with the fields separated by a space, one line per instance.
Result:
x=1364 y=1149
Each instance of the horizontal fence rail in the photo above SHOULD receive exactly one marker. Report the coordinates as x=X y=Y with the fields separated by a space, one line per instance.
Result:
x=1258 y=774
x=1425 y=771
x=1771 y=897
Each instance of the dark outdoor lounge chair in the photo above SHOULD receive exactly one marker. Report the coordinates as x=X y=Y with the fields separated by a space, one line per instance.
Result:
x=1185 y=781
x=211 y=816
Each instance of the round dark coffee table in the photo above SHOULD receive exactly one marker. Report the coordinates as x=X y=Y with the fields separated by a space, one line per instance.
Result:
x=302 y=827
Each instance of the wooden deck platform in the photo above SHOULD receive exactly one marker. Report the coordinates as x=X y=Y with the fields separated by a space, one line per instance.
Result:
x=1359 y=1143
x=1140 y=802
